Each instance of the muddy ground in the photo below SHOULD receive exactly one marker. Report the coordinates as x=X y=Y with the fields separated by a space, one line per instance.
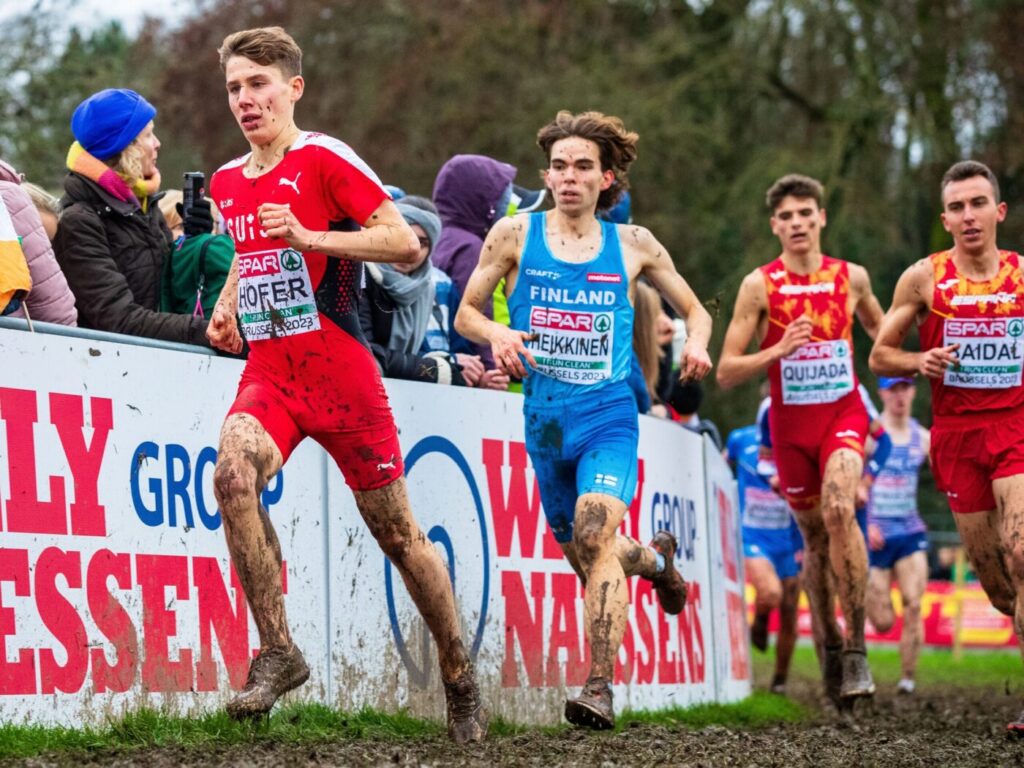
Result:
x=935 y=727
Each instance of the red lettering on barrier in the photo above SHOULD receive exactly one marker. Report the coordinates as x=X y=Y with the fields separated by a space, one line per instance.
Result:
x=63 y=621
x=566 y=634
x=668 y=658
x=728 y=527
x=525 y=625
x=516 y=508
x=229 y=624
x=737 y=635
x=643 y=599
x=113 y=621
x=155 y=574
x=66 y=413
x=15 y=676
x=692 y=633
x=26 y=513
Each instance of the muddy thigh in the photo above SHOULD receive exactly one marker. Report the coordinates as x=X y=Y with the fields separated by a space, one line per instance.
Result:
x=847 y=550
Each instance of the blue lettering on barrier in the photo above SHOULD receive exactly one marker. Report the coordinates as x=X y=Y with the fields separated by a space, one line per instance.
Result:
x=438 y=535
x=178 y=486
x=679 y=516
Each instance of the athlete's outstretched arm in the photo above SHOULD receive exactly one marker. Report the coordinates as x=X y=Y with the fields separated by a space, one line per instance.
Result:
x=735 y=366
x=888 y=358
x=868 y=310
x=385 y=235
x=695 y=363
x=498 y=257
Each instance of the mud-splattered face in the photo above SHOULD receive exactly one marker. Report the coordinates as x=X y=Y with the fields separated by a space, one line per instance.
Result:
x=574 y=175
x=970 y=213
x=261 y=98
x=798 y=222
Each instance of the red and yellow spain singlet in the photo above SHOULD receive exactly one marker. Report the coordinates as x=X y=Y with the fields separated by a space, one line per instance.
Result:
x=987 y=320
x=309 y=370
x=815 y=408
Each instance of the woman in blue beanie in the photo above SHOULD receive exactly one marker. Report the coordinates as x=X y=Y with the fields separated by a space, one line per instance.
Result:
x=112 y=239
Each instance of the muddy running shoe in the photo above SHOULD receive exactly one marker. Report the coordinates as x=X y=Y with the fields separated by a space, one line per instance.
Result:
x=857 y=680
x=832 y=671
x=905 y=686
x=271 y=674
x=759 y=632
x=1016 y=728
x=778 y=686
x=668 y=585
x=467 y=718
x=593 y=707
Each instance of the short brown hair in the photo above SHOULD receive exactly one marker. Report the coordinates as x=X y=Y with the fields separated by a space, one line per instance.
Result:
x=968 y=169
x=794 y=185
x=269 y=46
x=616 y=146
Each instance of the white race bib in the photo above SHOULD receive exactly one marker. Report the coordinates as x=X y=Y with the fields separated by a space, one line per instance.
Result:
x=818 y=372
x=572 y=346
x=991 y=352
x=765 y=509
x=275 y=295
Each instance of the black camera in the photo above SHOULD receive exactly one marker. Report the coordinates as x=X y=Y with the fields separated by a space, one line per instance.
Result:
x=194 y=188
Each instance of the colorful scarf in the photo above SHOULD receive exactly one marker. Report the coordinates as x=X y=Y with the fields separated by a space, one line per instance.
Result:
x=83 y=163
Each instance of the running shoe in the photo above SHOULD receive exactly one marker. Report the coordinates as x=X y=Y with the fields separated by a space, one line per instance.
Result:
x=905 y=686
x=759 y=632
x=467 y=718
x=668 y=584
x=857 y=681
x=778 y=686
x=593 y=707
x=271 y=675
x=1016 y=728
x=832 y=671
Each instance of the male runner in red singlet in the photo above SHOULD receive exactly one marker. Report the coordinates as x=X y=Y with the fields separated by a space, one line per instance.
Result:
x=968 y=304
x=801 y=307
x=294 y=206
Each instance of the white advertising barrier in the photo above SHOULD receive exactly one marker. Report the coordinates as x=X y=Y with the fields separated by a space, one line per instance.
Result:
x=733 y=674
x=116 y=590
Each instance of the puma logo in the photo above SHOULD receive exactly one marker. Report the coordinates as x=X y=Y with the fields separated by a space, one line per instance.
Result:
x=288 y=183
x=390 y=464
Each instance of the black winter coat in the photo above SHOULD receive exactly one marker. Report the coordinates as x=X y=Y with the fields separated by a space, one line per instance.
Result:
x=112 y=255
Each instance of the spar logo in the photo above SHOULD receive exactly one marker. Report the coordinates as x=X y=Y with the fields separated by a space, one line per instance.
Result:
x=291 y=260
x=442 y=469
x=818 y=352
x=985 y=328
x=561 y=320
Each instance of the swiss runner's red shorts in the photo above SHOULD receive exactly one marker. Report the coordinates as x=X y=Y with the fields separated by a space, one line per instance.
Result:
x=326 y=386
x=970 y=451
x=802 y=445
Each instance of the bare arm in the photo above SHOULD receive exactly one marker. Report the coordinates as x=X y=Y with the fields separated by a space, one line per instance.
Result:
x=735 y=366
x=498 y=257
x=223 y=330
x=695 y=362
x=888 y=358
x=868 y=310
x=385 y=235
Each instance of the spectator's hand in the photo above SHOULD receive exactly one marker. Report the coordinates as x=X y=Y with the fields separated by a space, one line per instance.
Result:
x=507 y=344
x=695 y=362
x=278 y=221
x=472 y=368
x=198 y=219
x=223 y=330
x=658 y=411
x=936 y=360
x=796 y=335
x=494 y=379
x=875 y=538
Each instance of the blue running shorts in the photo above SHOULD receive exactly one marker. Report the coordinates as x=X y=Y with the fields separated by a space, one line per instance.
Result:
x=898 y=547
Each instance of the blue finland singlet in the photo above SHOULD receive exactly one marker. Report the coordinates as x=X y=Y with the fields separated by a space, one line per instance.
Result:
x=580 y=313
x=892 y=505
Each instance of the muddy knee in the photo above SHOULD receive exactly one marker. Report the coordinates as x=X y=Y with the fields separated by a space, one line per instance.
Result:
x=836 y=514
x=234 y=483
x=769 y=597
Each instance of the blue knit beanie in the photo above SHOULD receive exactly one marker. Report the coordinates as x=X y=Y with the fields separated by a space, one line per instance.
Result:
x=108 y=121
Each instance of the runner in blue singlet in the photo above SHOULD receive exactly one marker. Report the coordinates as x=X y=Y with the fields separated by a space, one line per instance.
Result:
x=570 y=279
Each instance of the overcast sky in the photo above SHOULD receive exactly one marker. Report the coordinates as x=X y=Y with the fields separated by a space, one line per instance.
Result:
x=88 y=13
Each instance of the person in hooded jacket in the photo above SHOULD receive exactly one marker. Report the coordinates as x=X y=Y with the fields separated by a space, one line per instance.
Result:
x=112 y=238
x=50 y=300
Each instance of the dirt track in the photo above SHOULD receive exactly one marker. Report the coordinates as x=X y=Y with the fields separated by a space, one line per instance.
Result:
x=936 y=727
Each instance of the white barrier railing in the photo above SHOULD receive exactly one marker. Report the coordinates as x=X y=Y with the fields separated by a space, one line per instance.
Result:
x=116 y=590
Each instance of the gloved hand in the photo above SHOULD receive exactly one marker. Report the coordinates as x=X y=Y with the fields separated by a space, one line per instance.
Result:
x=198 y=219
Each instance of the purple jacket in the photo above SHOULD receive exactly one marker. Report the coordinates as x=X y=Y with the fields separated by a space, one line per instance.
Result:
x=50 y=299
x=467 y=189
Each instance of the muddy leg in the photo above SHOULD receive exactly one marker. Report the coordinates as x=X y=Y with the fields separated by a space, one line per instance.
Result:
x=389 y=517
x=847 y=549
x=912 y=576
x=246 y=460
x=1009 y=492
x=817 y=578
x=786 y=641
x=597 y=521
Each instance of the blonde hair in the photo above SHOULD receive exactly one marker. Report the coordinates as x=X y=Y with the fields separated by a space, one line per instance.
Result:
x=128 y=162
x=168 y=207
x=41 y=199
x=646 y=310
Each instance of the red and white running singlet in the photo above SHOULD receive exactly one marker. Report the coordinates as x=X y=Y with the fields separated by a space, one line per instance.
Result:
x=987 y=320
